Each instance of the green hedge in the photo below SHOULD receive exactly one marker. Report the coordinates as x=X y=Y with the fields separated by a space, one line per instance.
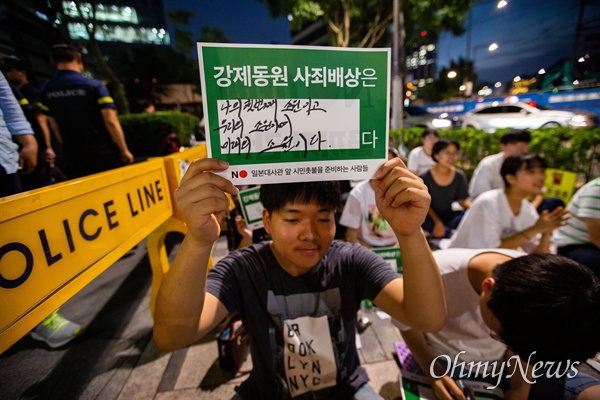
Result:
x=576 y=150
x=145 y=132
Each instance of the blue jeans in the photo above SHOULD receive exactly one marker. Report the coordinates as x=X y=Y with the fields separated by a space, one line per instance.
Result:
x=366 y=392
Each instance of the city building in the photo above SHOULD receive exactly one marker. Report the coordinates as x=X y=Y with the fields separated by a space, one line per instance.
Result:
x=28 y=30
x=118 y=21
x=421 y=68
x=29 y=27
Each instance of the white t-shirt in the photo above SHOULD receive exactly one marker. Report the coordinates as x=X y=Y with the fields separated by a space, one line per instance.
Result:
x=361 y=212
x=584 y=204
x=487 y=175
x=419 y=161
x=490 y=219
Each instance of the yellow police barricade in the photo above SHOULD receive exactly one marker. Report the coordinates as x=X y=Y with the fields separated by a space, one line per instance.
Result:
x=175 y=165
x=57 y=239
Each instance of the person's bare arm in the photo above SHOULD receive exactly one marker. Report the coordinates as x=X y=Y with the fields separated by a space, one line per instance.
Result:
x=593 y=228
x=351 y=236
x=49 y=155
x=184 y=312
x=116 y=132
x=27 y=153
x=439 y=230
x=546 y=223
x=242 y=227
x=55 y=129
x=465 y=203
x=418 y=299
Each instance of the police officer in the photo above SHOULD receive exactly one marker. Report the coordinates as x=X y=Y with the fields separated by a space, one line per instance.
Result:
x=29 y=99
x=83 y=112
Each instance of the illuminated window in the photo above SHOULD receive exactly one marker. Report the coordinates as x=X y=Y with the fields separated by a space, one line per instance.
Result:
x=103 y=12
x=128 y=34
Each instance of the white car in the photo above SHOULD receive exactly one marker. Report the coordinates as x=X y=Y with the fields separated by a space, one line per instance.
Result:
x=524 y=116
x=419 y=117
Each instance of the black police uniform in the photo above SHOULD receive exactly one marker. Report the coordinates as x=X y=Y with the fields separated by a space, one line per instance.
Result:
x=76 y=102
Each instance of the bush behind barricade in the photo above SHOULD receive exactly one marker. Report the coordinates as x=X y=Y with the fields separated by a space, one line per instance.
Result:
x=145 y=132
x=576 y=150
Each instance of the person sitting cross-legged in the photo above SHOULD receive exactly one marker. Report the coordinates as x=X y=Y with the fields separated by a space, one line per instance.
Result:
x=446 y=184
x=505 y=218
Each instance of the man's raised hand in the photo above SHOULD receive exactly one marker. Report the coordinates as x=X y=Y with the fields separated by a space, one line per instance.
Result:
x=202 y=200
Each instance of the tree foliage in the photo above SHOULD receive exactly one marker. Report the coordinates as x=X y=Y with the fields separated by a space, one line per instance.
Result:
x=576 y=150
x=365 y=23
x=212 y=35
x=183 y=39
x=145 y=69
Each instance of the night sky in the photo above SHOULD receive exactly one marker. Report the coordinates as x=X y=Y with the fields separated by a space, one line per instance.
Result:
x=531 y=34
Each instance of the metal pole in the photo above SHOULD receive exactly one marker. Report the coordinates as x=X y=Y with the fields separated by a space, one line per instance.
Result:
x=396 y=78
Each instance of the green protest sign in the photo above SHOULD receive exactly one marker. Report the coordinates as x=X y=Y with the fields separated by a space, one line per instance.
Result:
x=289 y=113
x=251 y=207
x=392 y=256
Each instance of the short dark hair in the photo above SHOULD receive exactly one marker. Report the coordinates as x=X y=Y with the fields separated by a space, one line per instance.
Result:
x=547 y=304
x=326 y=194
x=440 y=145
x=64 y=52
x=428 y=132
x=515 y=136
x=513 y=163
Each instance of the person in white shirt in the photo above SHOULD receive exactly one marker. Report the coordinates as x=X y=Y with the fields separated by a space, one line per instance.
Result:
x=362 y=219
x=419 y=158
x=505 y=218
x=501 y=303
x=487 y=173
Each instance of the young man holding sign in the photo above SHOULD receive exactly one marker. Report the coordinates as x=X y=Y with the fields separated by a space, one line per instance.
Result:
x=298 y=294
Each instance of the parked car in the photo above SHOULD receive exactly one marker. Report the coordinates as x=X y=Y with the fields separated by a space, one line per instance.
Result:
x=419 y=117
x=524 y=116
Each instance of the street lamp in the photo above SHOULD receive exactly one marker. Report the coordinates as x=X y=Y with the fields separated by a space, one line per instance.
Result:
x=491 y=48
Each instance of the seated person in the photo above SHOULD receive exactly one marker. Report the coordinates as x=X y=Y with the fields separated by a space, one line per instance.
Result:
x=446 y=185
x=363 y=221
x=542 y=307
x=504 y=218
x=579 y=239
x=487 y=173
x=301 y=288
x=419 y=158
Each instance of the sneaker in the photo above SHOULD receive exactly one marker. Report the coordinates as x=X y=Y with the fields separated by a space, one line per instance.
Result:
x=56 y=331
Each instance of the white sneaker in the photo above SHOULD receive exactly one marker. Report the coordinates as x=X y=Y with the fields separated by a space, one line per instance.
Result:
x=56 y=331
